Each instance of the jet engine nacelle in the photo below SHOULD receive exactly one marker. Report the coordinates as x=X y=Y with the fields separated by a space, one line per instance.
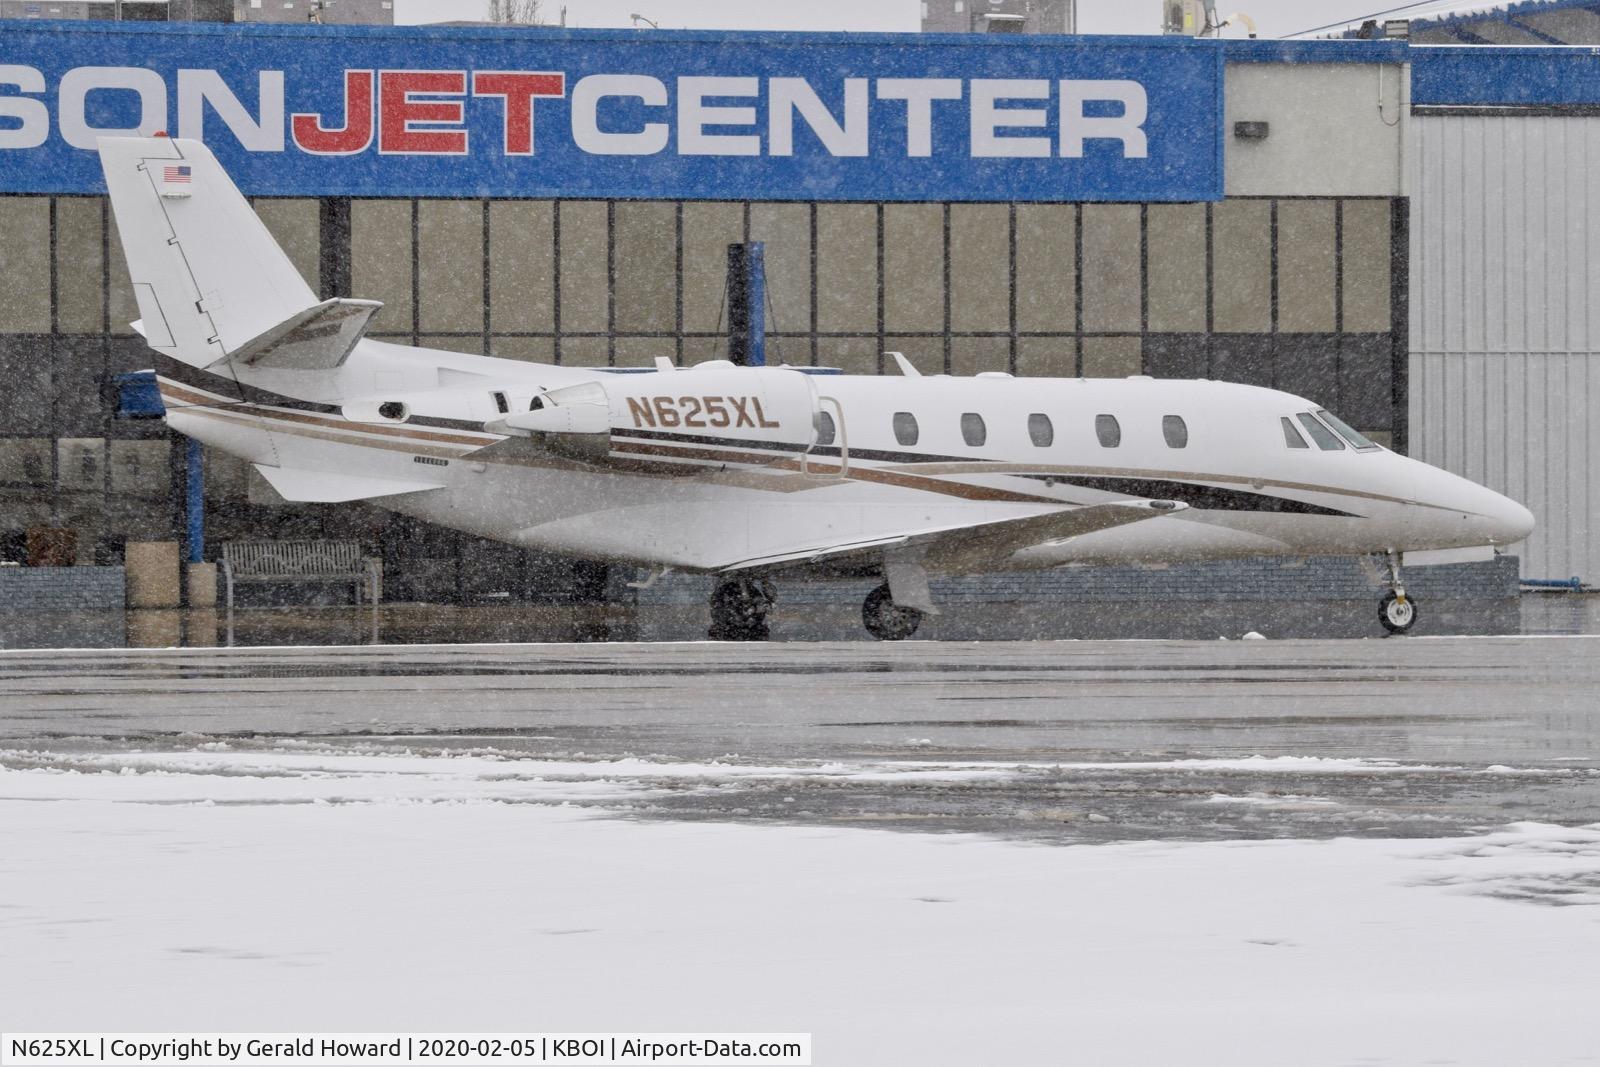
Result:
x=719 y=404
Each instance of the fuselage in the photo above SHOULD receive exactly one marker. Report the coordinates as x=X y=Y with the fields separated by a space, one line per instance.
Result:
x=1261 y=471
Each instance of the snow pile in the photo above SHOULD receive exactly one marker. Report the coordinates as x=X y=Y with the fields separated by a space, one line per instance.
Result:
x=211 y=890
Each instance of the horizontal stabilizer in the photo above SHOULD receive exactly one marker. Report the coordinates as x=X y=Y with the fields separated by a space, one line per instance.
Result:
x=319 y=338
x=328 y=487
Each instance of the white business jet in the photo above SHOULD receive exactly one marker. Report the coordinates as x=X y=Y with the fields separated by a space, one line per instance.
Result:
x=748 y=472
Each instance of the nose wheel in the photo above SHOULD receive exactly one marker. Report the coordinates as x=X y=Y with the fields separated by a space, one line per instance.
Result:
x=886 y=620
x=739 y=610
x=1397 y=611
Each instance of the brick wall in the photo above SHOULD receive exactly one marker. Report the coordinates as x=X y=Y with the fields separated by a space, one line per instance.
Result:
x=62 y=588
x=1316 y=578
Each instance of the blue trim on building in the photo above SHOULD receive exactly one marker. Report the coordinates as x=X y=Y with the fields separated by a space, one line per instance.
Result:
x=1262 y=51
x=1444 y=75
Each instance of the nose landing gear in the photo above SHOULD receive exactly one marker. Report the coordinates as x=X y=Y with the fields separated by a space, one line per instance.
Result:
x=886 y=620
x=739 y=610
x=1396 y=611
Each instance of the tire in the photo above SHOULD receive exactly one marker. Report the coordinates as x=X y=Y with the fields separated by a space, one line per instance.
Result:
x=1397 y=616
x=886 y=620
x=739 y=611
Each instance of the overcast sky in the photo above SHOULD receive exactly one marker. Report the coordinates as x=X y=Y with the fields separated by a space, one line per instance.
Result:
x=1274 y=18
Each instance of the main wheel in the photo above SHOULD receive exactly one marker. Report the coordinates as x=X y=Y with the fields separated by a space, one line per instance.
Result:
x=886 y=620
x=1398 y=614
x=739 y=611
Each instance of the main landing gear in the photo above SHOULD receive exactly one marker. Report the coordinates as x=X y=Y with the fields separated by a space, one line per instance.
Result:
x=886 y=620
x=1396 y=611
x=739 y=610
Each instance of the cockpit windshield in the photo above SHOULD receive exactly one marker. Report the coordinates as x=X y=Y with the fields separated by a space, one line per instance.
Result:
x=1357 y=441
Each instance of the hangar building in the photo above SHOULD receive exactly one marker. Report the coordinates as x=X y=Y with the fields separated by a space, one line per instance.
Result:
x=1399 y=232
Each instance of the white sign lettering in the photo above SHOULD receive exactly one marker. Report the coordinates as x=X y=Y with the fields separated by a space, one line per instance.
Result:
x=411 y=112
x=586 y=132
x=694 y=115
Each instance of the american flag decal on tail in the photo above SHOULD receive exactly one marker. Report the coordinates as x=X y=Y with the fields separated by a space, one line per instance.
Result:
x=176 y=179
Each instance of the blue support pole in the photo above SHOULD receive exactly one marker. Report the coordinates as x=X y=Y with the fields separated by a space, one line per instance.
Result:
x=755 y=265
x=194 y=509
x=747 y=304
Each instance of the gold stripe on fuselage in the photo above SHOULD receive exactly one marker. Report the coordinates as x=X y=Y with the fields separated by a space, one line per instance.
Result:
x=669 y=459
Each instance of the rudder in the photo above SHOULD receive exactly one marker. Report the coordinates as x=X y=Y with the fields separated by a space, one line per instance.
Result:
x=208 y=276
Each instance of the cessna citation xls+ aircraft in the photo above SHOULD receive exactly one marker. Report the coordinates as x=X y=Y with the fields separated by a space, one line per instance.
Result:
x=746 y=472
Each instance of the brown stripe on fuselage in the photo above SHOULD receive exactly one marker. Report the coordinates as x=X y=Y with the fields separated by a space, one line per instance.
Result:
x=260 y=422
x=285 y=415
x=1014 y=469
x=189 y=395
x=882 y=476
x=918 y=477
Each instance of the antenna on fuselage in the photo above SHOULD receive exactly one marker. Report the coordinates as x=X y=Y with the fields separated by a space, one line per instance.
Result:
x=904 y=364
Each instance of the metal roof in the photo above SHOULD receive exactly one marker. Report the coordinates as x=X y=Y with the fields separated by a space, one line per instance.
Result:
x=1530 y=22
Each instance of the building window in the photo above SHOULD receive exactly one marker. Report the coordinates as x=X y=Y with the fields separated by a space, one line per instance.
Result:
x=1108 y=430
x=1175 y=430
x=825 y=428
x=973 y=431
x=1291 y=436
x=1323 y=436
x=1040 y=431
x=905 y=428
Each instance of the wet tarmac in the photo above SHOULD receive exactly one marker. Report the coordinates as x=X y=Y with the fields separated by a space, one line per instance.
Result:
x=1072 y=741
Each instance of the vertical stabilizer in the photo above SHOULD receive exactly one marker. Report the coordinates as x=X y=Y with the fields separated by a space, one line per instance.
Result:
x=210 y=280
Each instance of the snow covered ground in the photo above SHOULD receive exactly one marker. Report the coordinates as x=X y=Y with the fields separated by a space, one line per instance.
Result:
x=298 y=886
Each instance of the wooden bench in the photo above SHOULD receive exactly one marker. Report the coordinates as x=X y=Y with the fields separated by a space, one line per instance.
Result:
x=299 y=561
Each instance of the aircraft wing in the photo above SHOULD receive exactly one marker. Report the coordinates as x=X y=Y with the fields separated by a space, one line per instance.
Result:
x=330 y=487
x=975 y=545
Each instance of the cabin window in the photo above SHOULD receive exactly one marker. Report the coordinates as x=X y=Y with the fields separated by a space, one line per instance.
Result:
x=500 y=404
x=905 y=428
x=1324 y=437
x=1108 y=430
x=1040 y=431
x=1175 y=430
x=973 y=431
x=825 y=428
x=1291 y=436
x=1360 y=443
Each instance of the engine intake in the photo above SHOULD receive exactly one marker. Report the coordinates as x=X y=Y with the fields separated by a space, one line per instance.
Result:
x=752 y=415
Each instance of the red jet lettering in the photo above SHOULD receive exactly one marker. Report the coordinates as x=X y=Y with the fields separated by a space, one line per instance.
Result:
x=518 y=89
x=405 y=110
x=354 y=136
x=398 y=111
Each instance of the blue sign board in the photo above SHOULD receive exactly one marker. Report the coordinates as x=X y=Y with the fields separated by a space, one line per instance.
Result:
x=368 y=111
x=1478 y=76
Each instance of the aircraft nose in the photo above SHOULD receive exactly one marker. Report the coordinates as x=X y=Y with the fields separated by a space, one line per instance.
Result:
x=1509 y=521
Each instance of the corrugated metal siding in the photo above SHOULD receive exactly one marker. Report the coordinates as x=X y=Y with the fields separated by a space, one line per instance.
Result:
x=1505 y=319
